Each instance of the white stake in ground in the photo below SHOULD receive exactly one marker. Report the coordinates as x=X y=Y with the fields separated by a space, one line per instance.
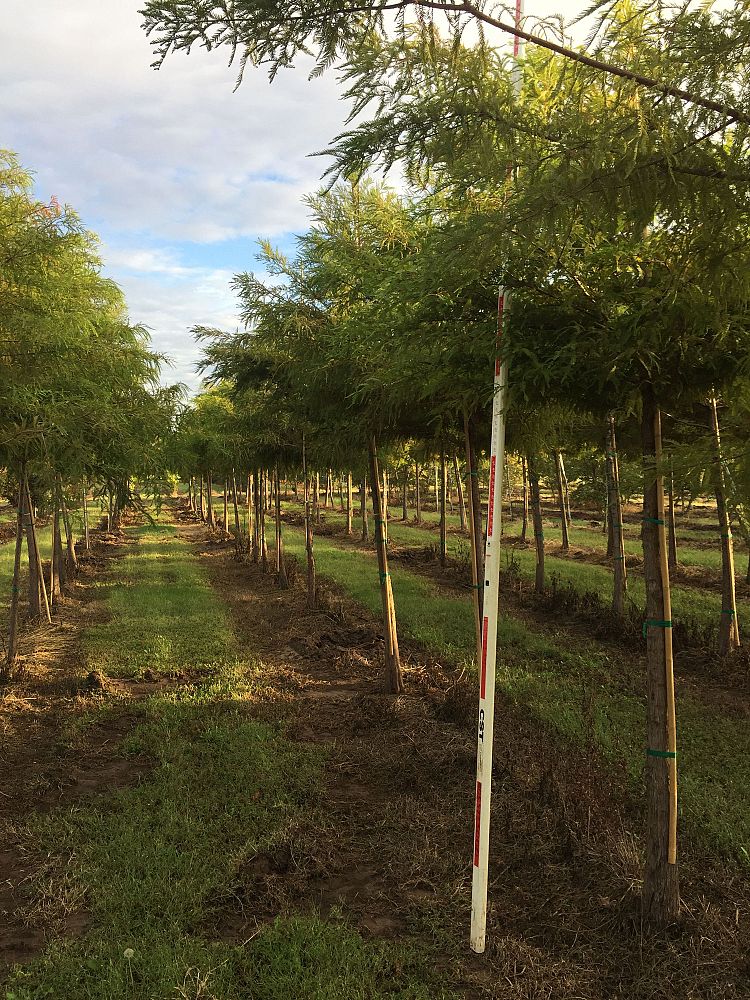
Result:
x=487 y=667
x=485 y=728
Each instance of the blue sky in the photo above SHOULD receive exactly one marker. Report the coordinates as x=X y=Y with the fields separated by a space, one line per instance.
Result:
x=178 y=173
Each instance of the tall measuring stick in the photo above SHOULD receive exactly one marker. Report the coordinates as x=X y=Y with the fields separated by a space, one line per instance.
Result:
x=488 y=660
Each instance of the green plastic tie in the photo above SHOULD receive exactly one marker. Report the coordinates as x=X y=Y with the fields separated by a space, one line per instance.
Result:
x=473 y=473
x=664 y=754
x=383 y=576
x=727 y=536
x=538 y=534
x=730 y=612
x=655 y=623
x=619 y=558
x=652 y=520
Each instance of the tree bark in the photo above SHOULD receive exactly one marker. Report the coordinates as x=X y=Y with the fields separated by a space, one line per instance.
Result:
x=394 y=679
x=225 y=518
x=349 y=512
x=72 y=559
x=281 y=577
x=10 y=660
x=86 y=540
x=460 y=489
x=443 y=510
x=316 y=498
x=210 y=499
x=236 y=511
x=405 y=496
x=561 y=501
x=729 y=631
x=672 y=521
x=525 y=500
x=417 y=494
x=262 y=520
x=202 y=504
x=56 y=562
x=36 y=555
x=312 y=592
x=536 y=517
x=661 y=893
x=363 y=509
x=614 y=503
x=566 y=490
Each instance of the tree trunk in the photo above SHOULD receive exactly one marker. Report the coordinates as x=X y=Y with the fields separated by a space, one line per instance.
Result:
x=342 y=507
x=384 y=504
x=363 y=509
x=661 y=893
x=250 y=527
x=35 y=557
x=312 y=593
x=394 y=679
x=460 y=489
x=508 y=495
x=56 y=568
x=437 y=485
x=210 y=499
x=201 y=504
x=262 y=520
x=281 y=577
x=417 y=494
x=10 y=661
x=405 y=496
x=566 y=490
x=236 y=511
x=729 y=631
x=525 y=500
x=536 y=517
x=561 y=501
x=475 y=520
x=316 y=498
x=672 y=521
x=72 y=559
x=86 y=540
x=225 y=519
x=255 y=555
x=443 y=511
x=349 y=511
x=614 y=503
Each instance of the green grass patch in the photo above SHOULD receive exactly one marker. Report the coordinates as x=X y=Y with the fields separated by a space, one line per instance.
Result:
x=164 y=613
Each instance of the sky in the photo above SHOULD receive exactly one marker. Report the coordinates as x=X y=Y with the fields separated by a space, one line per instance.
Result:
x=177 y=172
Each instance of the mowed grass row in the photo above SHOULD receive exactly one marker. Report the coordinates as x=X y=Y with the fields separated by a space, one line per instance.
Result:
x=575 y=687
x=689 y=603
x=154 y=864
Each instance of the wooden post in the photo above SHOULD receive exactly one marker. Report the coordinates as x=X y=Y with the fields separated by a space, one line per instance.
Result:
x=394 y=679
x=661 y=893
x=729 y=630
x=561 y=501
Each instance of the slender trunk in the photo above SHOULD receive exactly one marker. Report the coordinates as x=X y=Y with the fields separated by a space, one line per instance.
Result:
x=614 y=502
x=384 y=504
x=72 y=559
x=394 y=680
x=262 y=519
x=35 y=554
x=729 y=631
x=10 y=660
x=475 y=516
x=236 y=511
x=342 y=508
x=405 y=496
x=210 y=499
x=256 y=518
x=605 y=516
x=34 y=590
x=85 y=508
x=437 y=484
x=363 y=509
x=508 y=494
x=349 y=504
x=201 y=504
x=672 y=521
x=566 y=490
x=610 y=514
x=536 y=518
x=460 y=491
x=443 y=511
x=225 y=517
x=661 y=893
x=312 y=595
x=250 y=527
x=561 y=501
x=55 y=570
x=417 y=494
x=281 y=577
x=525 y=500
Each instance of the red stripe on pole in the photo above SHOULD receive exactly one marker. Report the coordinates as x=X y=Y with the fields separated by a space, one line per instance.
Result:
x=516 y=39
x=491 y=506
x=485 y=628
x=477 y=818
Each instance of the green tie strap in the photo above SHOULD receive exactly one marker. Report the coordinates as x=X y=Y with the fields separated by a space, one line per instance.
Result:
x=652 y=520
x=664 y=754
x=655 y=623
x=730 y=612
x=383 y=577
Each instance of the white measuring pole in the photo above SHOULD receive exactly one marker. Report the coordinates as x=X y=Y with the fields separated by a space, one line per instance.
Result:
x=487 y=668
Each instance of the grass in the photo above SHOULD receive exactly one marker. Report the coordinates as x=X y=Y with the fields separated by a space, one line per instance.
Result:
x=576 y=687
x=154 y=864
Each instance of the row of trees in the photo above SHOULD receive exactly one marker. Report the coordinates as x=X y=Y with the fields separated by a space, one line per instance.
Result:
x=621 y=232
x=81 y=413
